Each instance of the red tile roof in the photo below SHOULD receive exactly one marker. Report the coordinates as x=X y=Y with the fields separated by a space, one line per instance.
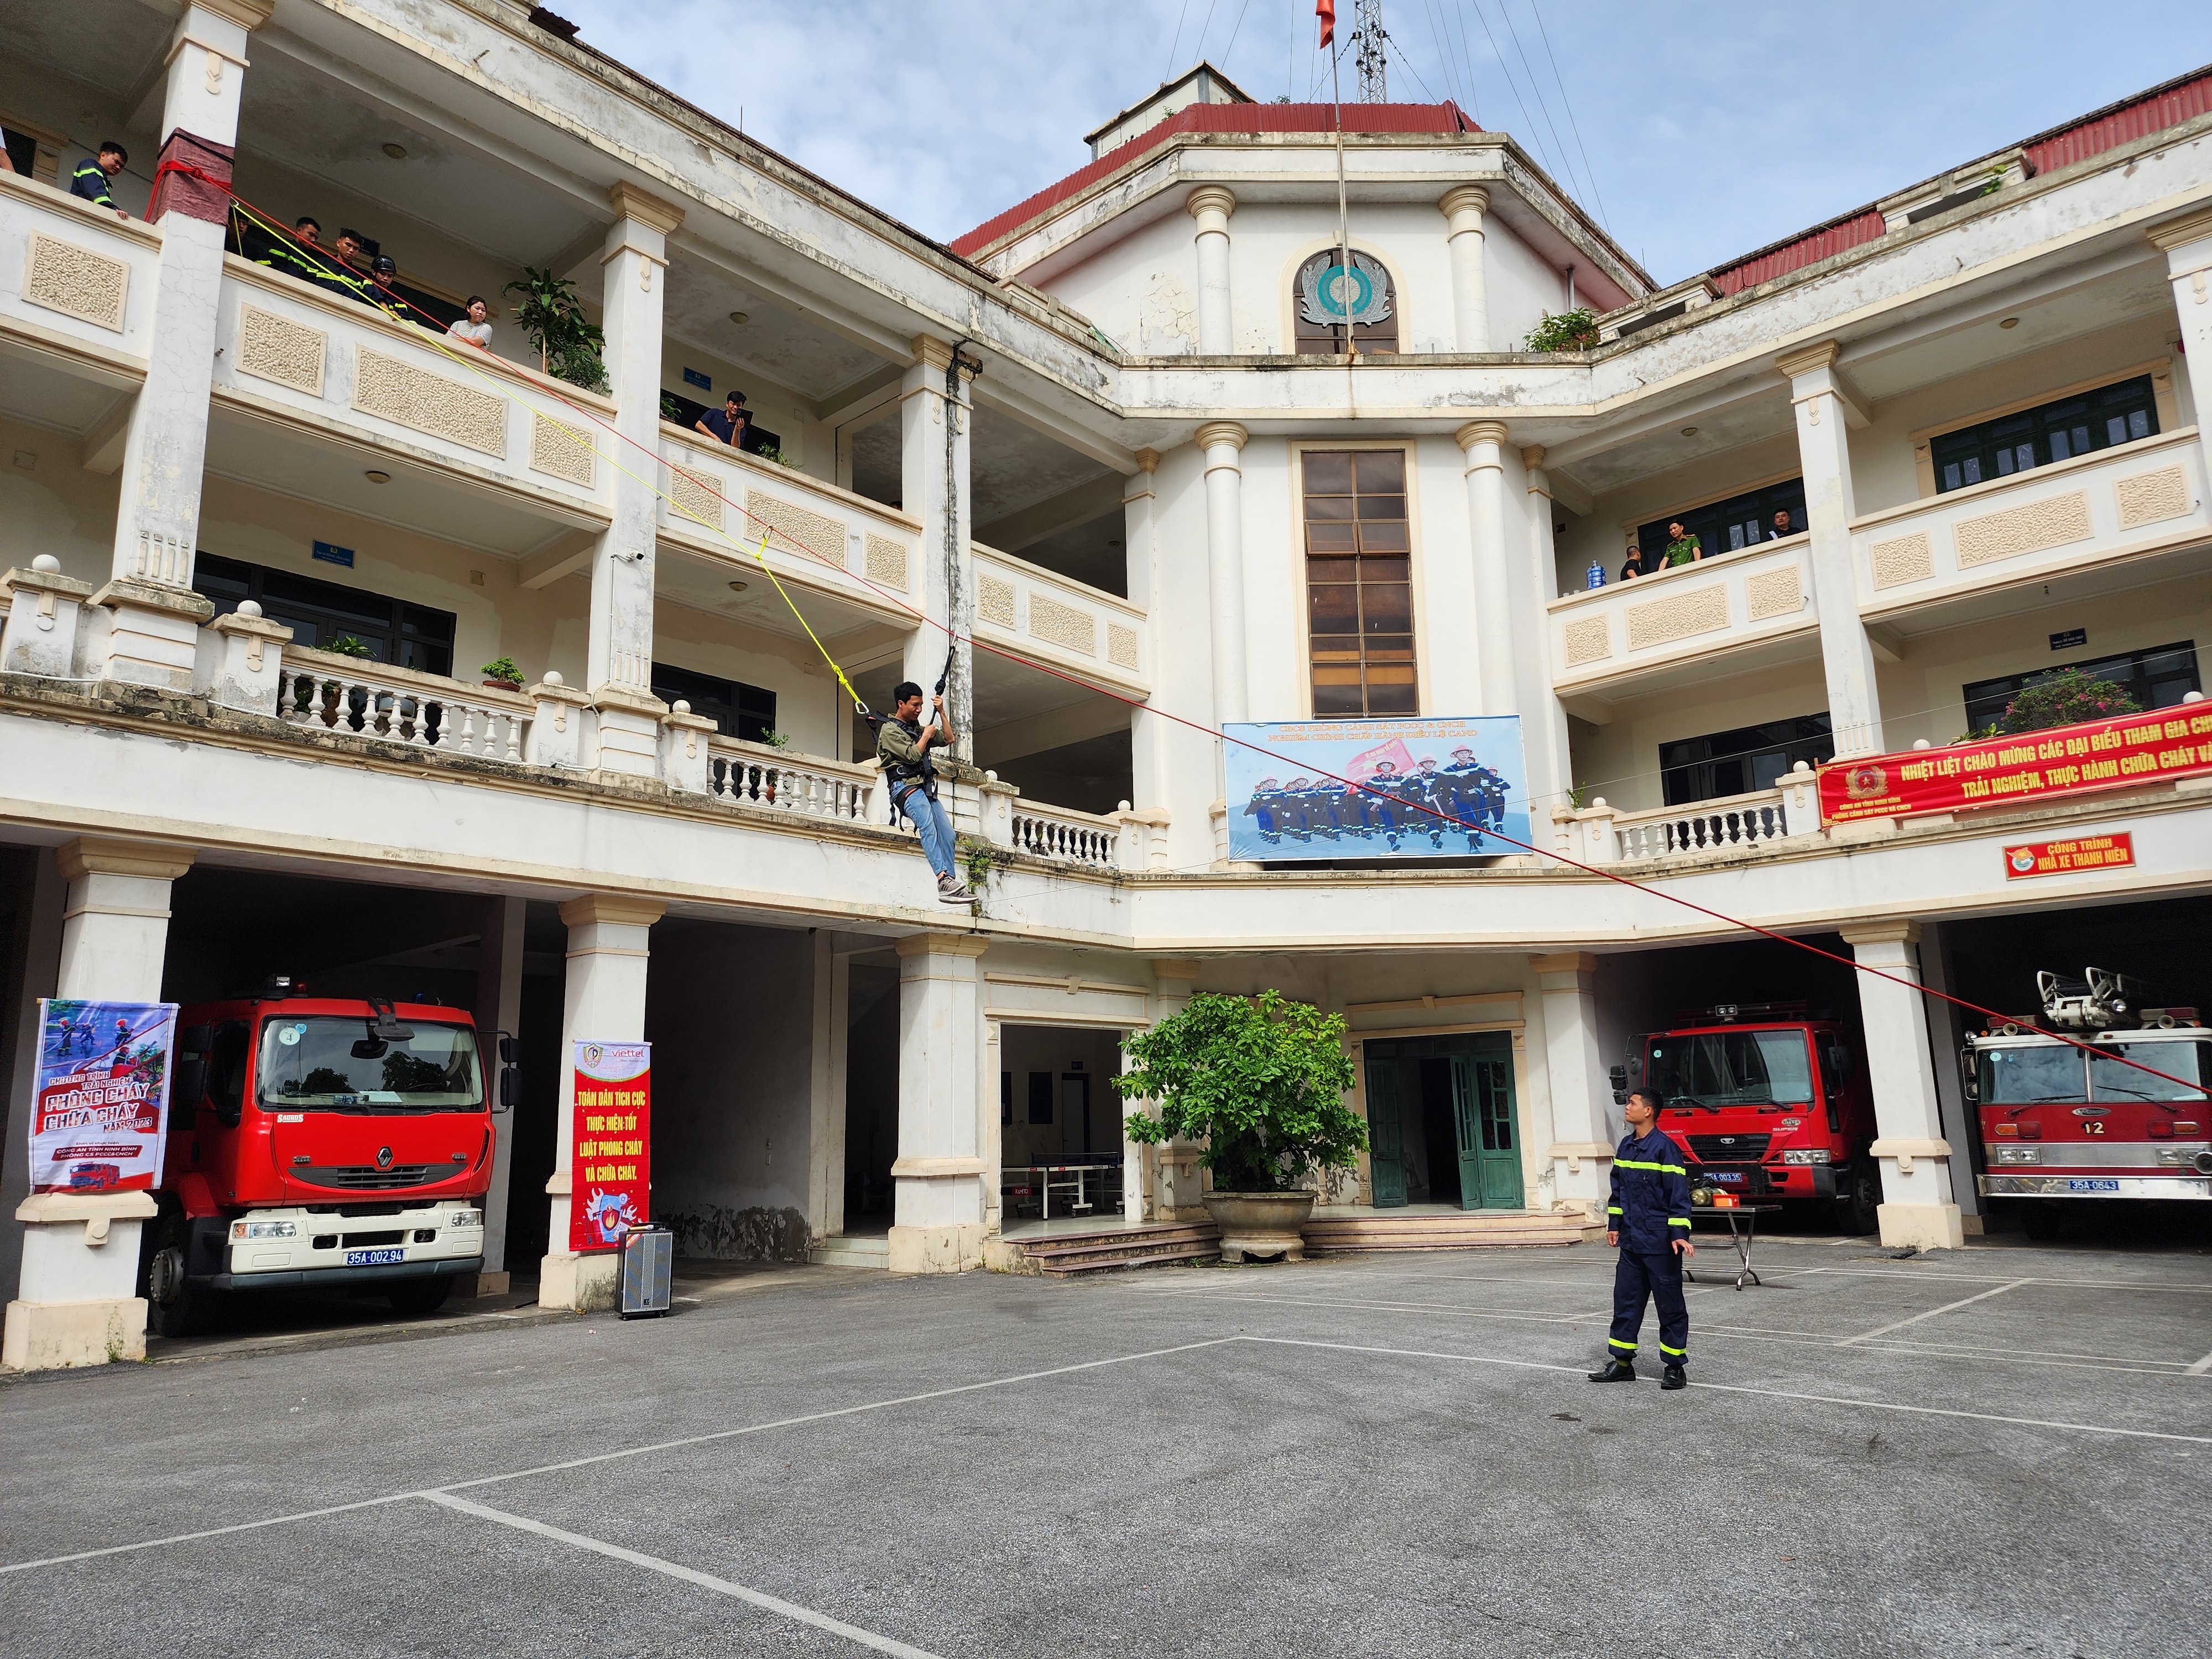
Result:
x=1446 y=116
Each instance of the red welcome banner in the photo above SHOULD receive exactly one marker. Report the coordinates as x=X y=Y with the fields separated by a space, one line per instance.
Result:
x=2064 y=760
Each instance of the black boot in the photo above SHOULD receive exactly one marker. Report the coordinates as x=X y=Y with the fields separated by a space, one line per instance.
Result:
x=1674 y=1379
x=1616 y=1370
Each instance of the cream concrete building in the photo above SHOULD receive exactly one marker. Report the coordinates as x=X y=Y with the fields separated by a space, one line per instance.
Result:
x=1078 y=438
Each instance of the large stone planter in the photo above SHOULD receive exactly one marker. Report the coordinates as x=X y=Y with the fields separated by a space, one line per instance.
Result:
x=1261 y=1224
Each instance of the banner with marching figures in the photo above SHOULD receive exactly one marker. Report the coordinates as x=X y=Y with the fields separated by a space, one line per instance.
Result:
x=1409 y=788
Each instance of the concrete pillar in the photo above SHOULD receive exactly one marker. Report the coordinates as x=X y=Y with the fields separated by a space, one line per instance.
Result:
x=604 y=1000
x=619 y=652
x=498 y=1008
x=1171 y=766
x=1176 y=1182
x=1919 y=1208
x=1483 y=442
x=76 y=1301
x=1945 y=1037
x=825 y=1113
x=2187 y=244
x=1544 y=725
x=1463 y=208
x=1823 y=403
x=152 y=626
x=946 y=591
x=1221 y=441
x=1575 y=1070
x=30 y=971
x=1211 y=205
x=938 y=1214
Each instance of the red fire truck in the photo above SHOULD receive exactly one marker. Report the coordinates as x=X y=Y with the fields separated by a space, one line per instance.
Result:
x=1769 y=1102
x=2060 y=1126
x=321 y=1141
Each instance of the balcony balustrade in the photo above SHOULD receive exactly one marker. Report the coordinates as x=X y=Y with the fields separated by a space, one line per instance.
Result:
x=1058 y=620
x=320 y=689
x=756 y=774
x=1597 y=835
x=1736 y=602
x=76 y=280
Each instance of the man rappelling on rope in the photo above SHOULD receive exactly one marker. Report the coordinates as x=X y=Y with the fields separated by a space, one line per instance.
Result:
x=903 y=744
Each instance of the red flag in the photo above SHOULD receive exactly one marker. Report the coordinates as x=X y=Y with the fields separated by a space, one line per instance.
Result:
x=1325 y=10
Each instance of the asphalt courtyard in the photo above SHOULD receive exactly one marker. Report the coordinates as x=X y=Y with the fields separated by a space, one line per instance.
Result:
x=2000 y=1450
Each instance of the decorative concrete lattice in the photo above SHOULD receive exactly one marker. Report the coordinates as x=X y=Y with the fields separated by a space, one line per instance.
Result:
x=1121 y=647
x=273 y=348
x=1589 y=640
x=560 y=451
x=796 y=529
x=75 y=281
x=1063 y=625
x=412 y=397
x=995 y=601
x=2028 y=528
x=1907 y=559
x=1700 y=610
x=886 y=562
x=2149 y=496
x=1775 y=594
x=695 y=498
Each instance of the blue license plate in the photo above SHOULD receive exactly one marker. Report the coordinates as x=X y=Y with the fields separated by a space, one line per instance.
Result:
x=2094 y=1184
x=373 y=1258
x=1724 y=1175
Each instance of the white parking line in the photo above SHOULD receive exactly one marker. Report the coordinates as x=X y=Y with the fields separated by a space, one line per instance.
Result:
x=2200 y=1367
x=1948 y=1307
x=866 y=1638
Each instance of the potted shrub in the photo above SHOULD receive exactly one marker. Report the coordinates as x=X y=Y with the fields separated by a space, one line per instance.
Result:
x=1262 y=1081
x=502 y=673
x=570 y=347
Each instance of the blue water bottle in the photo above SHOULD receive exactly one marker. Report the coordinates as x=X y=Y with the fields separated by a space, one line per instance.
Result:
x=1596 y=574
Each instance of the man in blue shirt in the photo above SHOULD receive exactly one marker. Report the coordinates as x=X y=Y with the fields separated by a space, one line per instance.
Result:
x=728 y=424
x=1648 y=1217
x=90 y=179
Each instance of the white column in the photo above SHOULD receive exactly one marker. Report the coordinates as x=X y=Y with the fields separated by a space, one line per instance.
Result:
x=1483 y=442
x=498 y=1008
x=1544 y=723
x=1918 y=1209
x=1464 y=208
x=602 y=1001
x=939 y=1214
x=946 y=595
x=1822 y=402
x=1221 y=441
x=77 y=1302
x=825 y=1131
x=153 y=633
x=2187 y=244
x=1211 y=205
x=619 y=652
x=37 y=942
x=1575 y=1070
x=1176 y=1185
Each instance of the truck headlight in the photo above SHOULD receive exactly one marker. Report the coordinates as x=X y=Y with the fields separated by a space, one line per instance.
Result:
x=1809 y=1154
x=244 y=1230
x=465 y=1217
x=2016 y=1154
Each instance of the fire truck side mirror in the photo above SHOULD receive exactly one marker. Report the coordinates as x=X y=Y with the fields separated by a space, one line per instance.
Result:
x=1971 y=1081
x=1619 y=1077
x=190 y=1084
x=510 y=1088
x=510 y=1050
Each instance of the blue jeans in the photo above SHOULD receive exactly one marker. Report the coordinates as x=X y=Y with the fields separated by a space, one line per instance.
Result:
x=934 y=825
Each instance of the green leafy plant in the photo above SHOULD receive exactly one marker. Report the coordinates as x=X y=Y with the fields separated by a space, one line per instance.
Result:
x=978 y=859
x=502 y=668
x=1262 y=1081
x=776 y=740
x=671 y=410
x=770 y=452
x=1567 y=331
x=2067 y=696
x=569 y=348
x=346 y=646
x=1577 y=796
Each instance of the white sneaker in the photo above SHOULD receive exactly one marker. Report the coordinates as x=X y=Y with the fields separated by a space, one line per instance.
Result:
x=950 y=892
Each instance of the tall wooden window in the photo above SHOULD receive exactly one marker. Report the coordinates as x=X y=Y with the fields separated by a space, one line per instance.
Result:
x=1360 y=593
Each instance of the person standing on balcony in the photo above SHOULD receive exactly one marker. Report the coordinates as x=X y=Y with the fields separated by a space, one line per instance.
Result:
x=1647 y=1220
x=303 y=257
x=1634 y=565
x=1780 y=525
x=475 y=328
x=89 y=181
x=728 y=424
x=1682 y=548
x=903 y=746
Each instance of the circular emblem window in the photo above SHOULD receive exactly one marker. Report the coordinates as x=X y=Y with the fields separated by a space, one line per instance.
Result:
x=1324 y=291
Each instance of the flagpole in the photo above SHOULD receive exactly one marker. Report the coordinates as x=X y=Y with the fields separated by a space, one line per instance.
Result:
x=1343 y=210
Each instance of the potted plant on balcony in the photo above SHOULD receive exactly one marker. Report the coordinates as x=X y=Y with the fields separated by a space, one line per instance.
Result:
x=501 y=674
x=569 y=348
x=1262 y=1081
x=1565 y=331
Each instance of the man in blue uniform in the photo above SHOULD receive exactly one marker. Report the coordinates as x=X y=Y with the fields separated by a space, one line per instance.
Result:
x=89 y=181
x=1648 y=1218
x=1261 y=811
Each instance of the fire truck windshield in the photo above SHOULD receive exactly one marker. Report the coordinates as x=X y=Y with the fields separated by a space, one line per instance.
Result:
x=1732 y=1069
x=333 y=1062
x=2110 y=1080
x=2033 y=1074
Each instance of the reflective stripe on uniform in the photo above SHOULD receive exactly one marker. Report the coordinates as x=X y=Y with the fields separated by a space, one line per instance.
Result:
x=1637 y=1163
x=1613 y=1209
x=1679 y=1353
x=1615 y=1342
x=1678 y=1221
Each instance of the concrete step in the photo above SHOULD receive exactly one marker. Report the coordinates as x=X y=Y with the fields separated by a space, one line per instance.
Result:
x=1064 y=1255
x=868 y=1250
x=1472 y=1230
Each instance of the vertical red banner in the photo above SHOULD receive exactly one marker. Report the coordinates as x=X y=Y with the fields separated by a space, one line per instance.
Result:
x=610 y=1164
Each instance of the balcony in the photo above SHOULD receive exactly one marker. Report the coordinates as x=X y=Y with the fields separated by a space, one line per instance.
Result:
x=1060 y=621
x=2136 y=504
x=1755 y=607
x=76 y=287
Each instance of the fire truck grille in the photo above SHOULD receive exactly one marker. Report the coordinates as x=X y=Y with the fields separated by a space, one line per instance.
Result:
x=1729 y=1149
x=361 y=1176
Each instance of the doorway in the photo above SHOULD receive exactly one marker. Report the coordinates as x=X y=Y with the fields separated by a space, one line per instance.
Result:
x=1442 y=1121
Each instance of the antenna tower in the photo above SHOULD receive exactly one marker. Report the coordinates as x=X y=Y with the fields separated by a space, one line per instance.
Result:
x=1367 y=19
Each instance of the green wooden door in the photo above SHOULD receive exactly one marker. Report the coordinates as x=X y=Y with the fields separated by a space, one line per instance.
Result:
x=1488 y=1132
x=1385 y=1133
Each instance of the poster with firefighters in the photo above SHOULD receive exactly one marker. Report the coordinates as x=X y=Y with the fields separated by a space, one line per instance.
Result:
x=610 y=1168
x=101 y=1105
x=1377 y=789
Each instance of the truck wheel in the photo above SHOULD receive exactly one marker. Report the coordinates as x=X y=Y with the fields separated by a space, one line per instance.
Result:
x=2040 y=1219
x=421 y=1296
x=174 y=1306
x=1858 y=1206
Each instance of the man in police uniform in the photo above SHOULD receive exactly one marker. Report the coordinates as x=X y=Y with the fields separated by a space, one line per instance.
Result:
x=1261 y=809
x=1469 y=781
x=1386 y=805
x=1648 y=1217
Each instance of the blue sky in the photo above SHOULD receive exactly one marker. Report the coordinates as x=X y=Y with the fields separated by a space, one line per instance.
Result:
x=1704 y=130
